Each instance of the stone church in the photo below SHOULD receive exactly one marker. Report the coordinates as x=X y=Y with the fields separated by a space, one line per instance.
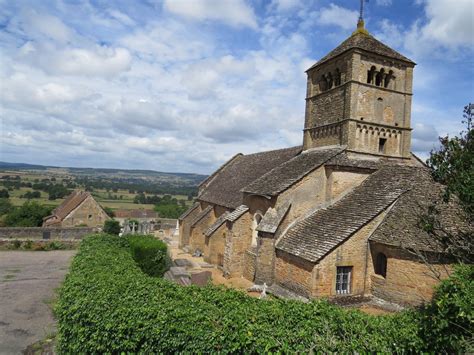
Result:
x=338 y=215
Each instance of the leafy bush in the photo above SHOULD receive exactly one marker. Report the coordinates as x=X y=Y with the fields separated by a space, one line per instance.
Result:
x=447 y=322
x=107 y=304
x=150 y=254
x=30 y=214
x=112 y=226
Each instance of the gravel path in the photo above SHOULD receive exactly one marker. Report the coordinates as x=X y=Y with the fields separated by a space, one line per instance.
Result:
x=27 y=284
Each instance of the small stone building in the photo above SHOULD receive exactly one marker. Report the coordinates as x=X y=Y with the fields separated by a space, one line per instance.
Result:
x=140 y=215
x=78 y=209
x=339 y=215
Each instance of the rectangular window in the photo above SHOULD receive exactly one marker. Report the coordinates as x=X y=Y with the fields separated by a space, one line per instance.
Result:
x=382 y=142
x=343 y=280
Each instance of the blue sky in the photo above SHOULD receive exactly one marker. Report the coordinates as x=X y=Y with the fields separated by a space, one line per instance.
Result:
x=183 y=85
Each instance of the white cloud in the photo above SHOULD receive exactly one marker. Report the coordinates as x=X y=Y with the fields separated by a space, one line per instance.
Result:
x=338 y=16
x=449 y=23
x=285 y=5
x=121 y=17
x=231 y=12
x=95 y=61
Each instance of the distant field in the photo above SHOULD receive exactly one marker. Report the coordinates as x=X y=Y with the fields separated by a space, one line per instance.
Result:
x=122 y=199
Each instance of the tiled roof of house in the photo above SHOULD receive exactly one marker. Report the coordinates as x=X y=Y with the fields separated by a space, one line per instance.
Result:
x=136 y=214
x=201 y=215
x=272 y=218
x=365 y=42
x=224 y=188
x=322 y=231
x=69 y=204
x=226 y=216
x=185 y=214
x=291 y=171
x=401 y=227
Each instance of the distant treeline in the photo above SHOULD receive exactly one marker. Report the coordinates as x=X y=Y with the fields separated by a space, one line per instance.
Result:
x=137 y=186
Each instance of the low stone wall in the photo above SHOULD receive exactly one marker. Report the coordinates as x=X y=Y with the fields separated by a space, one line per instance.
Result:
x=45 y=233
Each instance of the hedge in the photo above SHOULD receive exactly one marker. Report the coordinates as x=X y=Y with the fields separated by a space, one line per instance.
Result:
x=150 y=254
x=108 y=305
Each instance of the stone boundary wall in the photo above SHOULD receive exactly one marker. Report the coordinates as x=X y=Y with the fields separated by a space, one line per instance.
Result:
x=45 y=233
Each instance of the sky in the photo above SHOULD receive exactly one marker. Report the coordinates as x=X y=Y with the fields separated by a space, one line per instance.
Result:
x=183 y=85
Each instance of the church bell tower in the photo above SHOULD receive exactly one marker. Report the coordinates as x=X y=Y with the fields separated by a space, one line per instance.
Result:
x=359 y=96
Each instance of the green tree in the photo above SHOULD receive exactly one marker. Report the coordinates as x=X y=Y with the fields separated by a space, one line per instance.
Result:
x=109 y=211
x=112 y=226
x=5 y=206
x=4 y=193
x=453 y=163
x=30 y=214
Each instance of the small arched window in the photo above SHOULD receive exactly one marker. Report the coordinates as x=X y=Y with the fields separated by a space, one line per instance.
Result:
x=381 y=265
x=370 y=75
x=379 y=78
x=257 y=217
x=337 y=80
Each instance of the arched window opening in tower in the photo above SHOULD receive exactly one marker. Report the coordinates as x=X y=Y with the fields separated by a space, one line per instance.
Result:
x=370 y=75
x=380 y=77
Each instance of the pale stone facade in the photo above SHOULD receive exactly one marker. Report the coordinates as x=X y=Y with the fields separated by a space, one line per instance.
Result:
x=314 y=219
x=78 y=209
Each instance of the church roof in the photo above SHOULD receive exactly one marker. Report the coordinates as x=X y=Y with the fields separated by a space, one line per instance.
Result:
x=225 y=187
x=401 y=228
x=291 y=171
x=364 y=42
x=323 y=230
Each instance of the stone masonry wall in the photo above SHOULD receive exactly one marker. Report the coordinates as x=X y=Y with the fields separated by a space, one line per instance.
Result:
x=354 y=252
x=250 y=258
x=88 y=213
x=265 y=261
x=185 y=227
x=198 y=239
x=293 y=273
x=214 y=253
x=408 y=281
x=238 y=240
x=35 y=233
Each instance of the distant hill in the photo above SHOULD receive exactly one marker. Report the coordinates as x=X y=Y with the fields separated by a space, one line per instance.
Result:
x=180 y=179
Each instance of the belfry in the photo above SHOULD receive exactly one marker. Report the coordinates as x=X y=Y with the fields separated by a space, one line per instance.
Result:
x=359 y=96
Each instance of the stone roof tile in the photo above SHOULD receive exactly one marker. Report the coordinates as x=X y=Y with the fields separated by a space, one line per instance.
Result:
x=286 y=174
x=272 y=218
x=224 y=188
x=322 y=231
x=365 y=42
x=201 y=215
x=187 y=213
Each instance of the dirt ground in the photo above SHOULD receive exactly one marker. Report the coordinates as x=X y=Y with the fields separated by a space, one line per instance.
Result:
x=27 y=288
x=217 y=275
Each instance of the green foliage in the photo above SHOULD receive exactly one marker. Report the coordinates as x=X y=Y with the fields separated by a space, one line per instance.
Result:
x=30 y=214
x=108 y=305
x=32 y=194
x=112 y=226
x=170 y=211
x=453 y=163
x=150 y=254
x=447 y=322
x=5 y=206
x=109 y=211
x=4 y=193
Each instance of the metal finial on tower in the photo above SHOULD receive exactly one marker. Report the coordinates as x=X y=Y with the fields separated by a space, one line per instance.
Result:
x=360 y=22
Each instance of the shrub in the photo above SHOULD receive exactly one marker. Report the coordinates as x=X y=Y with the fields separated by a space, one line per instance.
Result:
x=112 y=226
x=150 y=254
x=447 y=322
x=107 y=304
